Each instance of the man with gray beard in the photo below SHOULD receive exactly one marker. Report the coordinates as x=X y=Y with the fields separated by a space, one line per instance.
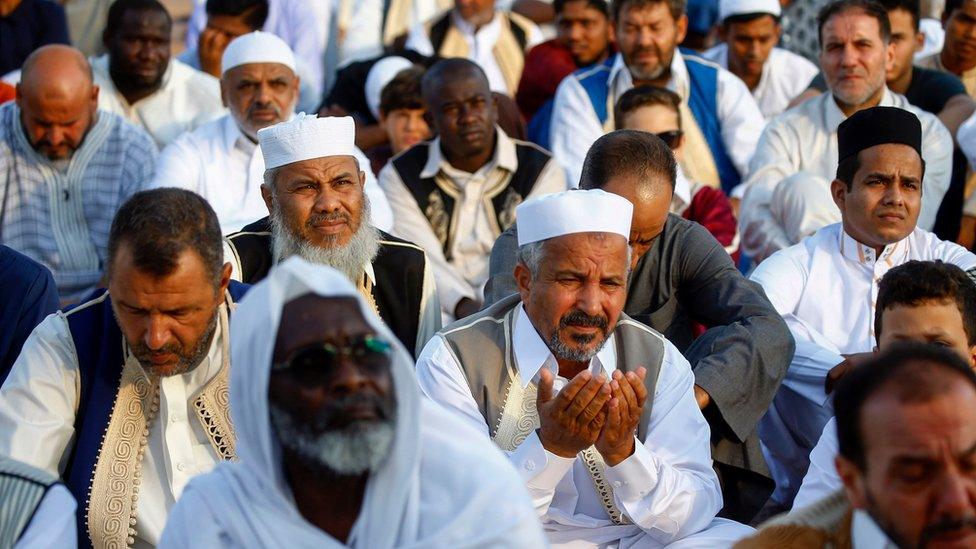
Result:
x=313 y=189
x=337 y=446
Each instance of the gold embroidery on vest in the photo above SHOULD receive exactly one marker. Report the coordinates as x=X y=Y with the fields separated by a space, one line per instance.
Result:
x=213 y=402
x=436 y=214
x=507 y=216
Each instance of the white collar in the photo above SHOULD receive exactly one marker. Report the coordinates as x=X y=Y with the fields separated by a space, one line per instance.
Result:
x=504 y=156
x=467 y=29
x=232 y=137
x=865 y=255
x=865 y=533
x=532 y=354
x=834 y=116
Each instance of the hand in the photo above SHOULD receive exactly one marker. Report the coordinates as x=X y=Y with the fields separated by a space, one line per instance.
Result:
x=702 y=397
x=466 y=307
x=616 y=440
x=210 y=50
x=333 y=110
x=967 y=232
x=837 y=372
x=735 y=203
x=571 y=422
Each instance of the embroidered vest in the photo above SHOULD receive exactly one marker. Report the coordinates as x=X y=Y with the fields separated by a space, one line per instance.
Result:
x=117 y=399
x=22 y=488
x=483 y=346
x=509 y=50
x=438 y=196
x=396 y=17
x=702 y=102
x=399 y=269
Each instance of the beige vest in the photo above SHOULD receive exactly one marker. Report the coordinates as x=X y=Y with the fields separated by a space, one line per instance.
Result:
x=483 y=347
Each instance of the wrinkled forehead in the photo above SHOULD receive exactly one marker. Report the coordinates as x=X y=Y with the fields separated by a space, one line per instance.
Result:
x=600 y=248
x=321 y=169
x=311 y=318
x=259 y=72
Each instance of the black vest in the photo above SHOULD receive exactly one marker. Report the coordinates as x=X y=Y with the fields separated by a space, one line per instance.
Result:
x=440 y=208
x=399 y=269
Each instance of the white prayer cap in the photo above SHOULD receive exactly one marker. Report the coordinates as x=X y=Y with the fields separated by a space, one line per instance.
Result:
x=575 y=211
x=728 y=8
x=305 y=137
x=256 y=47
x=379 y=76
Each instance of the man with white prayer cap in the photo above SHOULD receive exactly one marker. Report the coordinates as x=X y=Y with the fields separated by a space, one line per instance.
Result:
x=561 y=380
x=313 y=187
x=337 y=446
x=222 y=160
x=826 y=287
x=749 y=32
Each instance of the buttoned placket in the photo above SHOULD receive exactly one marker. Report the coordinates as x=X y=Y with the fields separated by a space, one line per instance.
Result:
x=177 y=433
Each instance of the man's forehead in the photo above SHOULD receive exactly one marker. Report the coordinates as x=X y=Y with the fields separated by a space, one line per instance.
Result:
x=259 y=70
x=579 y=247
x=921 y=428
x=852 y=24
x=324 y=167
x=138 y=21
x=312 y=318
x=889 y=158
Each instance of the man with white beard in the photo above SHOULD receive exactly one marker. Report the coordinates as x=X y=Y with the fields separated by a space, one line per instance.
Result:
x=337 y=447
x=313 y=188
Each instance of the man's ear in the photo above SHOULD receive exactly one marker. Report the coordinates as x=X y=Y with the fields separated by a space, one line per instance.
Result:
x=722 y=32
x=853 y=480
x=889 y=56
x=223 y=92
x=972 y=357
x=682 y=24
x=268 y=197
x=225 y=278
x=838 y=191
x=523 y=280
x=919 y=41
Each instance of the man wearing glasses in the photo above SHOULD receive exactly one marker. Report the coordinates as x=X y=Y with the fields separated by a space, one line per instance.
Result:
x=679 y=277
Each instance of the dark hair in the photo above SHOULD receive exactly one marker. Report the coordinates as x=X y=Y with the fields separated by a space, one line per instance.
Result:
x=160 y=224
x=867 y=7
x=915 y=282
x=676 y=7
x=645 y=96
x=255 y=11
x=912 y=372
x=627 y=152
x=403 y=91
x=911 y=6
x=452 y=68
x=951 y=6
x=599 y=5
x=747 y=18
x=118 y=9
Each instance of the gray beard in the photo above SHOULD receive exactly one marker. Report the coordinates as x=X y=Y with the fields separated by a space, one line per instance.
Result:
x=349 y=259
x=359 y=448
x=572 y=354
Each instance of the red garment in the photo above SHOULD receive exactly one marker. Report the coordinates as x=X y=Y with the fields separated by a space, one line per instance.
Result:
x=711 y=209
x=7 y=92
x=545 y=67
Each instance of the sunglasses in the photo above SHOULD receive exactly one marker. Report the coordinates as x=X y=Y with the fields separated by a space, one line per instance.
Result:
x=318 y=359
x=671 y=138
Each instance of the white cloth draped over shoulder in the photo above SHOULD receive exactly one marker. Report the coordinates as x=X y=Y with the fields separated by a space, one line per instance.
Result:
x=429 y=492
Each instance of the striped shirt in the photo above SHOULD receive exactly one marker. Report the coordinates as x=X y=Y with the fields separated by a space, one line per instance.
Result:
x=61 y=218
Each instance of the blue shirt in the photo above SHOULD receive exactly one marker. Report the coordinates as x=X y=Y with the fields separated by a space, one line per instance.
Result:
x=32 y=24
x=27 y=296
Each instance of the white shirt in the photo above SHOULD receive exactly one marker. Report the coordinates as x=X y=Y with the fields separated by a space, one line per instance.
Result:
x=53 y=523
x=825 y=288
x=481 y=44
x=785 y=75
x=39 y=400
x=187 y=99
x=218 y=162
x=467 y=272
x=804 y=139
x=575 y=125
x=666 y=488
x=822 y=478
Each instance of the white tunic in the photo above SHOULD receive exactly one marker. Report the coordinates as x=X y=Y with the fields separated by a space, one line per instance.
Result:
x=785 y=75
x=803 y=140
x=575 y=125
x=221 y=164
x=187 y=99
x=825 y=288
x=39 y=400
x=666 y=489
x=822 y=478
x=465 y=275
x=481 y=45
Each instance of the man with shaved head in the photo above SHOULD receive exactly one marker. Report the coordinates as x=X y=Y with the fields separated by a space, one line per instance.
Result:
x=66 y=168
x=454 y=195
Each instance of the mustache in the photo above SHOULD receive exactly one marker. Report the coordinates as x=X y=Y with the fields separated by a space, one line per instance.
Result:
x=579 y=318
x=329 y=415
x=263 y=107
x=315 y=218
x=946 y=525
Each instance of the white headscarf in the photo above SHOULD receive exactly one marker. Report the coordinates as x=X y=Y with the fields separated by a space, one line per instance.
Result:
x=474 y=497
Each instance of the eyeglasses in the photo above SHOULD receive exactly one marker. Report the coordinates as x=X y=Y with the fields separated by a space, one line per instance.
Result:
x=671 y=138
x=318 y=359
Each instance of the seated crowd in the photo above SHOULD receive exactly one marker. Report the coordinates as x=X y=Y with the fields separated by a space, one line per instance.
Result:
x=487 y=273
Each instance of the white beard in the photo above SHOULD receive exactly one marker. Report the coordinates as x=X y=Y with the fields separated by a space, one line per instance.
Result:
x=359 y=448
x=349 y=259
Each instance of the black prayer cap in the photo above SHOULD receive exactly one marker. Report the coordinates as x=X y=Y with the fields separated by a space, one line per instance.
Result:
x=878 y=126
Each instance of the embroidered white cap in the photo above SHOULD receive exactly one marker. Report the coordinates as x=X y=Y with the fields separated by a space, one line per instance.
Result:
x=570 y=212
x=728 y=8
x=305 y=137
x=256 y=47
x=379 y=76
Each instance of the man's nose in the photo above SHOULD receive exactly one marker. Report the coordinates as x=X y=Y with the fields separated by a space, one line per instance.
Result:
x=157 y=333
x=590 y=299
x=348 y=376
x=955 y=497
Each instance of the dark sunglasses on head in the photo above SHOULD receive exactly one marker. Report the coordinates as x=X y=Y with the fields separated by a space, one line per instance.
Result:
x=321 y=358
x=671 y=138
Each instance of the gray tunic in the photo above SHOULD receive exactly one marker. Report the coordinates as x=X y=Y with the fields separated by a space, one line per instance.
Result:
x=685 y=278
